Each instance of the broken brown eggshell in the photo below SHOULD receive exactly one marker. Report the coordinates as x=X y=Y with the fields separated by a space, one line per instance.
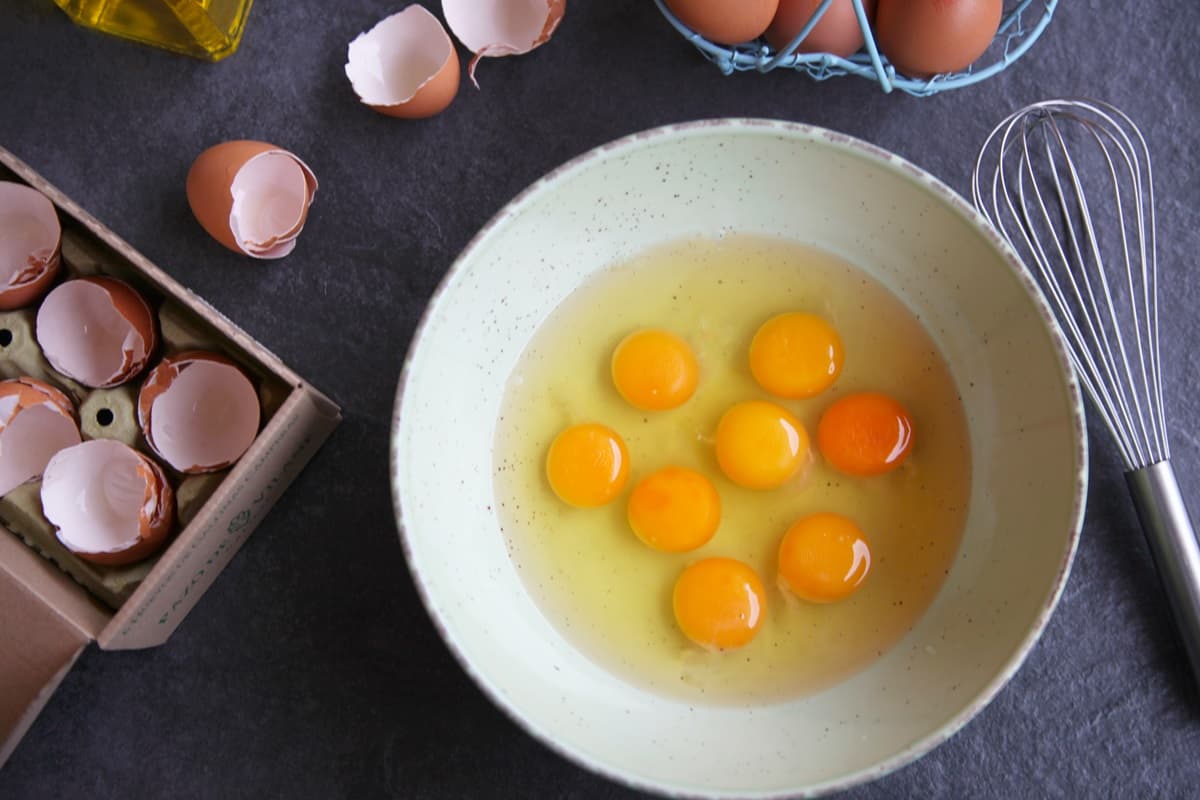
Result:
x=495 y=28
x=111 y=504
x=198 y=411
x=30 y=245
x=96 y=330
x=405 y=66
x=252 y=197
x=36 y=421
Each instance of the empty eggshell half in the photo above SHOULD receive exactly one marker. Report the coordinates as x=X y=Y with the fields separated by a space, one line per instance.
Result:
x=252 y=197
x=492 y=28
x=110 y=503
x=405 y=66
x=36 y=421
x=198 y=412
x=30 y=245
x=96 y=330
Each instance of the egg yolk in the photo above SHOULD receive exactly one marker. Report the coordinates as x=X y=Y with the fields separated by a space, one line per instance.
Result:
x=796 y=355
x=675 y=509
x=760 y=445
x=654 y=370
x=587 y=465
x=719 y=603
x=824 y=558
x=865 y=434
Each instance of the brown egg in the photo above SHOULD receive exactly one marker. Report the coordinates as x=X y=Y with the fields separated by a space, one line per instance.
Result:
x=927 y=37
x=110 y=503
x=30 y=245
x=96 y=330
x=36 y=421
x=252 y=197
x=837 y=32
x=198 y=411
x=405 y=66
x=725 y=21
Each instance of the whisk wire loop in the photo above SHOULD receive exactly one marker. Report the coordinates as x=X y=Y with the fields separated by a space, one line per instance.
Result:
x=1059 y=168
x=1100 y=344
x=1113 y=368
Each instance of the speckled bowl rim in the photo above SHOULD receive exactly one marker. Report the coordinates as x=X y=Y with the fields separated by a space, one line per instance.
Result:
x=879 y=158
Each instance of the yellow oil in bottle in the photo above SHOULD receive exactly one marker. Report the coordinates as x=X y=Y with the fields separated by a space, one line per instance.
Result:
x=209 y=29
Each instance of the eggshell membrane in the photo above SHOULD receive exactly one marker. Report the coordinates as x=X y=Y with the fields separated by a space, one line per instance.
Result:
x=198 y=412
x=36 y=421
x=405 y=66
x=96 y=330
x=725 y=21
x=837 y=32
x=30 y=245
x=923 y=38
x=495 y=28
x=110 y=503
x=252 y=197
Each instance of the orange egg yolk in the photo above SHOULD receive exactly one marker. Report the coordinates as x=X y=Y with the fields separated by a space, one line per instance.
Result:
x=760 y=445
x=824 y=558
x=654 y=370
x=796 y=355
x=719 y=603
x=675 y=509
x=587 y=465
x=865 y=434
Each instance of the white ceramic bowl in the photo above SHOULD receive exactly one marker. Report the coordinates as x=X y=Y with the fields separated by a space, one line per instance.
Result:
x=875 y=210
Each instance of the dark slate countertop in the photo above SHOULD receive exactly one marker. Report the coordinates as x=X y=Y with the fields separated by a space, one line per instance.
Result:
x=310 y=669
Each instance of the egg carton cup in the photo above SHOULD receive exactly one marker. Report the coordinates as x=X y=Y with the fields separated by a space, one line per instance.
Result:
x=1023 y=22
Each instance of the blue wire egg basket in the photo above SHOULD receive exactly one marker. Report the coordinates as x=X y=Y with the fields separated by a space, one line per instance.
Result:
x=1021 y=25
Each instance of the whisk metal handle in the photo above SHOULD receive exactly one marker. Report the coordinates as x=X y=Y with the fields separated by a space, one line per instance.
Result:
x=1173 y=545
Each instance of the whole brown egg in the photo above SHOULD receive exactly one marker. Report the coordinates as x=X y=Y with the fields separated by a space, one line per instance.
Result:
x=837 y=32
x=927 y=37
x=725 y=21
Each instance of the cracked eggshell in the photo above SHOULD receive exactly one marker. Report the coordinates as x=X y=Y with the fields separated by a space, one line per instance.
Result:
x=198 y=411
x=30 y=245
x=493 y=28
x=111 y=504
x=252 y=197
x=36 y=421
x=405 y=66
x=96 y=330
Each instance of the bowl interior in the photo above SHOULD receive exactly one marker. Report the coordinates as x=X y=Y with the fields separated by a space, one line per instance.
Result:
x=877 y=212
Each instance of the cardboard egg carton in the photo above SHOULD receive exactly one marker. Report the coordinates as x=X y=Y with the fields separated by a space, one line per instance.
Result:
x=52 y=603
x=107 y=414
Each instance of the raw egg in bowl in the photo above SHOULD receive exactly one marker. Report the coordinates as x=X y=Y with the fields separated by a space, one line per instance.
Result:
x=590 y=402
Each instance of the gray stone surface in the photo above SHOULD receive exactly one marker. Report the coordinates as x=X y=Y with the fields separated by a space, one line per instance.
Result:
x=310 y=668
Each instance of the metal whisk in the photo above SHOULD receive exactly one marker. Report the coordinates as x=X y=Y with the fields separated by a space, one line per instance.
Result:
x=1068 y=183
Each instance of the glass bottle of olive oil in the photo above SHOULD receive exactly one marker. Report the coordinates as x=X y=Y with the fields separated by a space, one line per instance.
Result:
x=209 y=29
